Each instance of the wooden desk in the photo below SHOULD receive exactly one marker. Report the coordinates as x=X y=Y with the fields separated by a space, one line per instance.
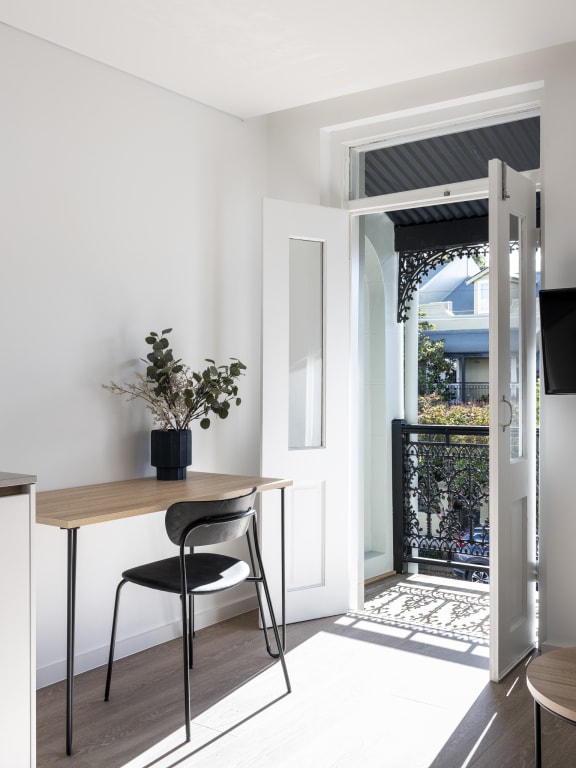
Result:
x=71 y=508
x=551 y=679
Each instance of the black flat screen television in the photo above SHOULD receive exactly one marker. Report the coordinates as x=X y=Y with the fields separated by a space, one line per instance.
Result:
x=558 y=340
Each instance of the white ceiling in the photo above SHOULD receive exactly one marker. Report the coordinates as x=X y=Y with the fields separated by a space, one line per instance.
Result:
x=253 y=57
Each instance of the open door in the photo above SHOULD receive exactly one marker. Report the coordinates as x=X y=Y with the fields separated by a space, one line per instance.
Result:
x=512 y=212
x=306 y=405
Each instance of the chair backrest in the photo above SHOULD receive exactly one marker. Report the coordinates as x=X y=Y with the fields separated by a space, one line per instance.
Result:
x=209 y=522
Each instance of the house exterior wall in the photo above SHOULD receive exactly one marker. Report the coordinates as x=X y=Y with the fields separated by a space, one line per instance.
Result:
x=125 y=209
x=303 y=166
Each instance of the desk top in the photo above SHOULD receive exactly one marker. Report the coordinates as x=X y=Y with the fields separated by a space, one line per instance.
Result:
x=551 y=679
x=89 y=504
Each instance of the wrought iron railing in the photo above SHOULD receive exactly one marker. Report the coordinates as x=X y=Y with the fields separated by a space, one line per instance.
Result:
x=470 y=392
x=473 y=392
x=440 y=495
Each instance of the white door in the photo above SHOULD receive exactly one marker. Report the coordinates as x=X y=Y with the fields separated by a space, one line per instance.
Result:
x=306 y=406
x=512 y=417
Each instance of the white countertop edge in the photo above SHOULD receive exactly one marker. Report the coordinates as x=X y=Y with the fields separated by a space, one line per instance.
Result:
x=8 y=479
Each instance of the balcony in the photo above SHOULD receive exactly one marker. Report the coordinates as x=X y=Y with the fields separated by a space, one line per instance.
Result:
x=440 y=497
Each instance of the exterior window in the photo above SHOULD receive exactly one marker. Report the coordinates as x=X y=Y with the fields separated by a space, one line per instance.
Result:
x=482 y=297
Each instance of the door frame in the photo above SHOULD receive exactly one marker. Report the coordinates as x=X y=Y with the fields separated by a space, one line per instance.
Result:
x=410 y=124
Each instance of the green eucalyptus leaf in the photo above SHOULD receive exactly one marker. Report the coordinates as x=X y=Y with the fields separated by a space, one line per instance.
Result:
x=176 y=395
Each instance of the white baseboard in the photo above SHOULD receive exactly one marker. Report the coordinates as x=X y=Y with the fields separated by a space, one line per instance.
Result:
x=53 y=673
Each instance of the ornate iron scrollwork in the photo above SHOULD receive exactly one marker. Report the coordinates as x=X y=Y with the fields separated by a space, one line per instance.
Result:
x=415 y=265
x=445 y=489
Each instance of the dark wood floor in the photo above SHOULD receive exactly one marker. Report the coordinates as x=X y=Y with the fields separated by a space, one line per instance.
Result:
x=357 y=700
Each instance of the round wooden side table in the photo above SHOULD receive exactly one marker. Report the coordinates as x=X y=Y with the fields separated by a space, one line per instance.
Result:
x=551 y=679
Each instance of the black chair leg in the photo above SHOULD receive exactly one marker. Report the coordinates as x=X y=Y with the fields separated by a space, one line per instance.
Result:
x=190 y=623
x=191 y=630
x=186 y=663
x=113 y=640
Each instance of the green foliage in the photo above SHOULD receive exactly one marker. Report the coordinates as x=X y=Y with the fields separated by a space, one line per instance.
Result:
x=433 y=410
x=174 y=394
x=435 y=370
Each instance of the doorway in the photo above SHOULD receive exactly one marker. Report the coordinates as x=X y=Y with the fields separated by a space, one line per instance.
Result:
x=424 y=363
x=383 y=177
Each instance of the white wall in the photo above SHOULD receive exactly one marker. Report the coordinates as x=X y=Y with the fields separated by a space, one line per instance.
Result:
x=125 y=209
x=302 y=154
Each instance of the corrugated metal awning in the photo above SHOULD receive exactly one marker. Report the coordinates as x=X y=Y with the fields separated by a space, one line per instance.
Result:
x=448 y=159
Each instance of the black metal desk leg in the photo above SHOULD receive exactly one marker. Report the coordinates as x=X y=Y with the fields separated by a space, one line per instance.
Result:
x=70 y=625
x=283 y=563
x=537 y=735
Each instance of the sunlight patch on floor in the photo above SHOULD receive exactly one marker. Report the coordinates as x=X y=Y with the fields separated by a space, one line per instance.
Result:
x=351 y=701
x=456 y=584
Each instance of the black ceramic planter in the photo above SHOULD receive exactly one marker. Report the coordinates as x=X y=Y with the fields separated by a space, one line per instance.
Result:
x=171 y=453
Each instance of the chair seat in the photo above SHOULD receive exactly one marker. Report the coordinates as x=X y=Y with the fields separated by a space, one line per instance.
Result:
x=205 y=572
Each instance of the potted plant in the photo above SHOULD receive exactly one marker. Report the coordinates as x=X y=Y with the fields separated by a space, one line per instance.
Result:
x=176 y=396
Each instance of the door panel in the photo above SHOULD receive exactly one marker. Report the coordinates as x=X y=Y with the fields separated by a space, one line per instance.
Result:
x=512 y=417
x=306 y=404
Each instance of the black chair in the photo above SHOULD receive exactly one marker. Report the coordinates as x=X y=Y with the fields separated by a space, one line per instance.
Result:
x=199 y=523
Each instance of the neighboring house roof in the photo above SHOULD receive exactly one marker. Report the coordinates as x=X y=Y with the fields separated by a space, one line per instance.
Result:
x=462 y=297
x=471 y=342
x=441 y=280
x=479 y=275
x=449 y=282
x=453 y=313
